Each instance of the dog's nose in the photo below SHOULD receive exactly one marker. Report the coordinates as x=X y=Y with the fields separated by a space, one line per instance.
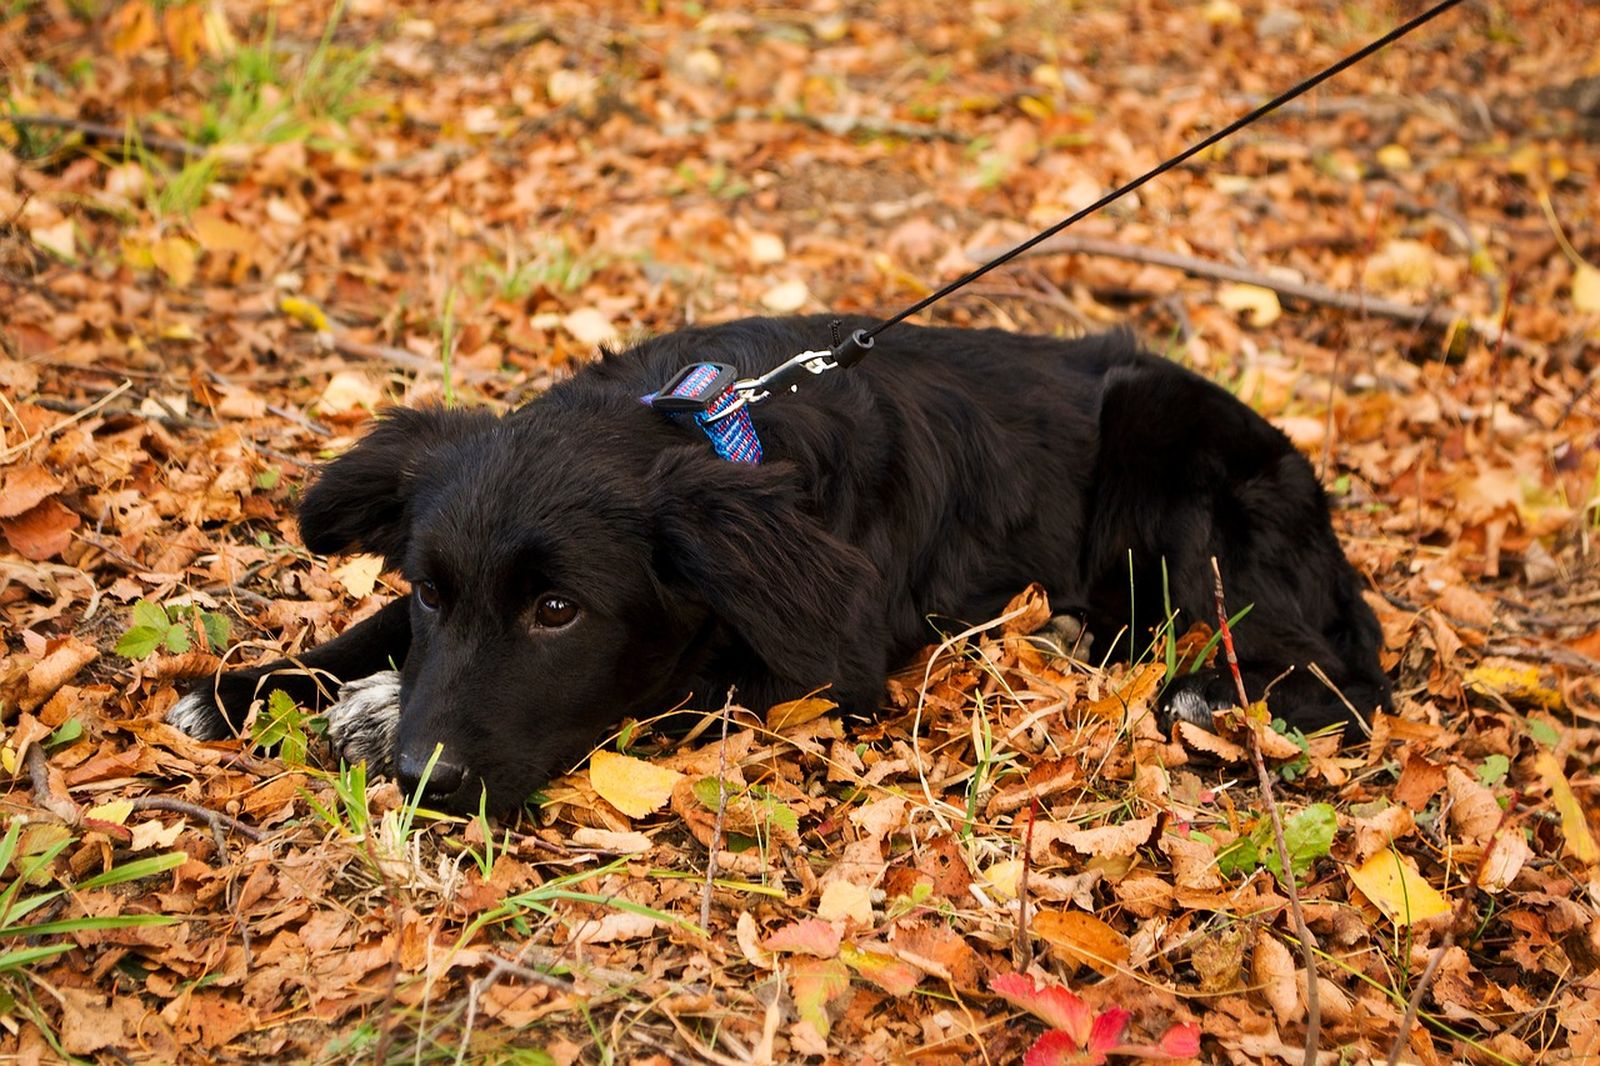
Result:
x=443 y=780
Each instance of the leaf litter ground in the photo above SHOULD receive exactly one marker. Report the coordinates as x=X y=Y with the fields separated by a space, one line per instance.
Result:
x=231 y=230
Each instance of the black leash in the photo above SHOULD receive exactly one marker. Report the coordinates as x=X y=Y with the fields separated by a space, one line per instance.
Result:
x=707 y=393
x=854 y=347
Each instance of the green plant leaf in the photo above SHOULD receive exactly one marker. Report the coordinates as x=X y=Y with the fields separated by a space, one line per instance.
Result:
x=218 y=628
x=177 y=639
x=150 y=615
x=140 y=641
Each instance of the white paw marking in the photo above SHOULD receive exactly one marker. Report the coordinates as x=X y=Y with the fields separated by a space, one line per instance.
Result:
x=197 y=715
x=1191 y=707
x=362 y=724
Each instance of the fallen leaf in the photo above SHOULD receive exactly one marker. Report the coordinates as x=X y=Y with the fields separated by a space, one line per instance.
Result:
x=1586 y=289
x=809 y=936
x=786 y=298
x=1574 y=824
x=175 y=257
x=359 y=576
x=1083 y=937
x=589 y=326
x=781 y=716
x=845 y=901
x=25 y=486
x=614 y=926
x=41 y=532
x=632 y=786
x=1272 y=969
x=1262 y=304
x=305 y=312
x=895 y=976
x=350 y=390
x=58 y=239
x=815 y=983
x=1394 y=886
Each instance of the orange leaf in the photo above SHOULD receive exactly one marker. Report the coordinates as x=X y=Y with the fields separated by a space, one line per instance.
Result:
x=1085 y=938
x=41 y=532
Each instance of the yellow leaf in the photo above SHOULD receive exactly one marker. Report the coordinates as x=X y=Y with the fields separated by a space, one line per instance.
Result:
x=359 y=575
x=797 y=712
x=1395 y=887
x=1004 y=877
x=1574 y=826
x=1394 y=157
x=184 y=27
x=304 y=312
x=1261 y=303
x=1223 y=13
x=116 y=812
x=57 y=239
x=175 y=257
x=1084 y=938
x=1586 y=290
x=136 y=254
x=1515 y=682
x=132 y=28
x=631 y=785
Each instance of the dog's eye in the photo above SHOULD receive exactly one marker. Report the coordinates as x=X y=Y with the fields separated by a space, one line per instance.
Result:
x=554 y=612
x=427 y=595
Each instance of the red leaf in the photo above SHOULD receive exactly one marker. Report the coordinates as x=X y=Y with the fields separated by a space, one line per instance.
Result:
x=1108 y=1029
x=1181 y=1041
x=1053 y=1004
x=1057 y=1048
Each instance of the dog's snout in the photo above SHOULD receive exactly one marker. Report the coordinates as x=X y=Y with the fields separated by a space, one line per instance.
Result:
x=443 y=779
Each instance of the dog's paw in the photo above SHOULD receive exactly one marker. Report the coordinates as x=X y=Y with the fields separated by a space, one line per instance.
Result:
x=362 y=724
x=198 y=715
x=1193 y=698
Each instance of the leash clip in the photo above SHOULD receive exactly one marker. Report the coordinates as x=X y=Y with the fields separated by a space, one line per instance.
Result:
x=754 y=390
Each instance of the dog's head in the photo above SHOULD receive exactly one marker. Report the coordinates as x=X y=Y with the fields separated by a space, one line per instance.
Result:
x=571 y=568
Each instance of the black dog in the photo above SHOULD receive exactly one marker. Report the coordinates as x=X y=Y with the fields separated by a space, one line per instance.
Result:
x=587 y=558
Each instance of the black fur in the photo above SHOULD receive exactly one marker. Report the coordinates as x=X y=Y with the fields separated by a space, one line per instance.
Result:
x=937 y=478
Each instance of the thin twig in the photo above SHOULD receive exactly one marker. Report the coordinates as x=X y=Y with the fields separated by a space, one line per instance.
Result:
x=385 y=353
x=1023 y=954
x=722 y=810
x=1414 y=1004
x=1441 y=317
x=1308 y=946
x=106 y=133
x=55 y=427
x=215 y=819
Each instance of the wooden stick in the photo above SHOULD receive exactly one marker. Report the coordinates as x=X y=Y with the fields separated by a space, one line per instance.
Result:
x=1442 y=317
x=106 y=133
x=215 y=819
x=1307 y=944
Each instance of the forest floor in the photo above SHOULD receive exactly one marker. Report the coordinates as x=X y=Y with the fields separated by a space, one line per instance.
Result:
x=230 y=231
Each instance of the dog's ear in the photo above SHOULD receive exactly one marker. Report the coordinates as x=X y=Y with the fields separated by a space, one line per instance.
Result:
x=738 y=538
x=361 y=498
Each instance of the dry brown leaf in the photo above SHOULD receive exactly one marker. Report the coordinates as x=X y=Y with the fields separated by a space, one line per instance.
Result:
x=41 y=532
x=1272 y=969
